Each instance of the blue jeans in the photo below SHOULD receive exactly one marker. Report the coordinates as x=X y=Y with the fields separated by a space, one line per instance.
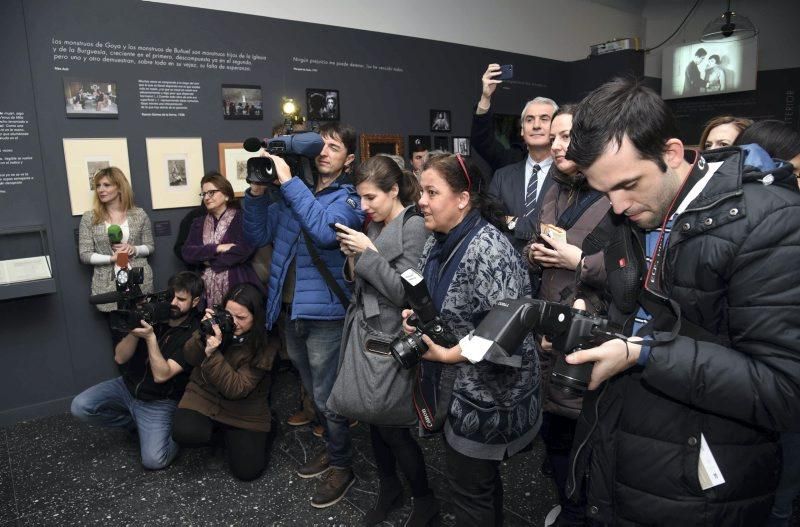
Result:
x=111 y=404
x=313 y=347
x=789 y=484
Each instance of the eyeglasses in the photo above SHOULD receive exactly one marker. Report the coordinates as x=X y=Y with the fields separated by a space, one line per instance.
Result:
x=209 y=193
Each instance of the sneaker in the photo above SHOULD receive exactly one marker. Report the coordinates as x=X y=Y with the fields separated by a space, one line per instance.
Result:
x=332 y=487
x=299 y=418
x=318 y=430
x=552 y=516
x=319 y=464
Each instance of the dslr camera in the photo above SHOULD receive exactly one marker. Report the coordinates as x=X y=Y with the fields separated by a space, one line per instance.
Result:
x=296 y=149
x=569 y=330
x=409 y=349
x=224 y=320
x=132 y=305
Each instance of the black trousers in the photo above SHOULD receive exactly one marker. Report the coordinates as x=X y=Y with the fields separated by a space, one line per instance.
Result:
x=477 y=489
x=395 y=446
x=247 y=451
x=557 y=433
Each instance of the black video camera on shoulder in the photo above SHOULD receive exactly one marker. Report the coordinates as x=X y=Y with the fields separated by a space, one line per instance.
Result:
x=568 y=329
x=409 y=349
x=296 y=149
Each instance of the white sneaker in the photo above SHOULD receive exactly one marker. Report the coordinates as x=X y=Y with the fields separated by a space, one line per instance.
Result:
x=552 y=516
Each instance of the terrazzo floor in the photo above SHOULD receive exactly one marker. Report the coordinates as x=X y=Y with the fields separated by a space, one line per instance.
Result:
x=56 y=471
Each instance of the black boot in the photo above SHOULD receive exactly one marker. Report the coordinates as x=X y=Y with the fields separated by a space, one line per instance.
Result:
x=390 y=496
x=423 y=511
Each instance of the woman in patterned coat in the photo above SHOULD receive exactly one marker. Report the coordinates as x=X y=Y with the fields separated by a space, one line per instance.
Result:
x=113 y=208
x=468 y=266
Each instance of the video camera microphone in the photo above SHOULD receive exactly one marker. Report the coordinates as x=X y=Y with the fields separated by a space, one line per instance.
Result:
x=114 y=234
x=307 y=144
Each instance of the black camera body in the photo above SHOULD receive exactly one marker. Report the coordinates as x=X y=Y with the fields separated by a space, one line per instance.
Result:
x=296 y=149
x=153 y=309
x=409 y=349
x=223 y=319
x=568 y=329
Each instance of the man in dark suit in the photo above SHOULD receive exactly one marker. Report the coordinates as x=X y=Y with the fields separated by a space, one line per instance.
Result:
x=693 y=79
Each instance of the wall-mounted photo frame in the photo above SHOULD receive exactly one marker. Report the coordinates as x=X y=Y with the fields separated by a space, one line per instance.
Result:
x=233 y=165
x=242 y=102
x=176 y=168
x=418 y=141
x=89 y=98
x=83 y=158
x=440 y=121
x=372 y=144
x=461 y=146
x=441 y=142
x=322 y=104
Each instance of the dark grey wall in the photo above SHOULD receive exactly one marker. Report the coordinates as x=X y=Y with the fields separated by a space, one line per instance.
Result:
x=55 y=345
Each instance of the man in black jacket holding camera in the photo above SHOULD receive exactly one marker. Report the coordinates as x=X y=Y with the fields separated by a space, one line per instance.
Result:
x=679 y=426
x=153 y=377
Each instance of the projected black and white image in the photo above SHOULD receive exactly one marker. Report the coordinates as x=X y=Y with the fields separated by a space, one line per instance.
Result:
x=709 y=68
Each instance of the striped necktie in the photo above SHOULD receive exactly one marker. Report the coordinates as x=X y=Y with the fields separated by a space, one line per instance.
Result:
x=532 y=190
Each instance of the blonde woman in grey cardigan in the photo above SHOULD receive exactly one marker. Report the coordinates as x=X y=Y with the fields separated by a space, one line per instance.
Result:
x=113 y=207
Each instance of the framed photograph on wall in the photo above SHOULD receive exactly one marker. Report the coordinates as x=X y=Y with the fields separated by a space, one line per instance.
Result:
x=440 y=121
x=83 y=158
x=241 y=102
x=506 y=129
x=322 y=104
x=418 y=141
x=89 y=98
x=441 y=142
x=176 y=168
x=461 y=146
x=233 y=165
x=372 y=144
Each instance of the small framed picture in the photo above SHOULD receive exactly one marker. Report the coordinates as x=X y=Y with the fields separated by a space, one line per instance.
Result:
x=440 y=121
x=417 y=143
x=322 y=104
x=373 y=144
x=441 y=142
x=461 y=146
x=241 y=102
x=89 y=98
x=233 y=165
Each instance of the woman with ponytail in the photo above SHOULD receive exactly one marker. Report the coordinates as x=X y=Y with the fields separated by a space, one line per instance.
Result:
x=371 y=386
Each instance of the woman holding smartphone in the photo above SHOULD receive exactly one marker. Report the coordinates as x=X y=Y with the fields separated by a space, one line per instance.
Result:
x=393 y=243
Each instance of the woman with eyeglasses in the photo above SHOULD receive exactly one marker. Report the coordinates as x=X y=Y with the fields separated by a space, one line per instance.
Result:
x=217 y=243
x=468 y=266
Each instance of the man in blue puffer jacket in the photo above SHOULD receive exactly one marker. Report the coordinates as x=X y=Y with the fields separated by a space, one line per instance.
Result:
x=298 y=291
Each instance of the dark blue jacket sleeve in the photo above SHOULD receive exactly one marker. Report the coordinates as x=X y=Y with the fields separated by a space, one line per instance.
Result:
x=258 y=230
x=315 y=217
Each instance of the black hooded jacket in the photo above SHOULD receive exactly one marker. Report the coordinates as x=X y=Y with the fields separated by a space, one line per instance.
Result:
x=730 y=375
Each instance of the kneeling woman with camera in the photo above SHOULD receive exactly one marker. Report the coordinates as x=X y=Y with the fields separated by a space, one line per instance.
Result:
x=227 y=395
x=468 y=266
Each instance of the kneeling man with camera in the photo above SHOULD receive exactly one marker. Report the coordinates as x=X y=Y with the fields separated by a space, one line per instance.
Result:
x=154 y=375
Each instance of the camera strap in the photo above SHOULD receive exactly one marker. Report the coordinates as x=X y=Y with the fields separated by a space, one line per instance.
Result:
x=432 y=392
x=330 y=281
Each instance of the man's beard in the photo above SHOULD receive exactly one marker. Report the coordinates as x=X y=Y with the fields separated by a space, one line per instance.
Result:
x=175 y=313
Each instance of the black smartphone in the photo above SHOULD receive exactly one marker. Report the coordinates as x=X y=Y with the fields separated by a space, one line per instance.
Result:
x=506 y=72
x=337 y=229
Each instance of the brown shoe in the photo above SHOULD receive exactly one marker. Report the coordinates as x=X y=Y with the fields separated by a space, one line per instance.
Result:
x=318 y=428
x=319 y=464
x=332 y=487
x=299 y=418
